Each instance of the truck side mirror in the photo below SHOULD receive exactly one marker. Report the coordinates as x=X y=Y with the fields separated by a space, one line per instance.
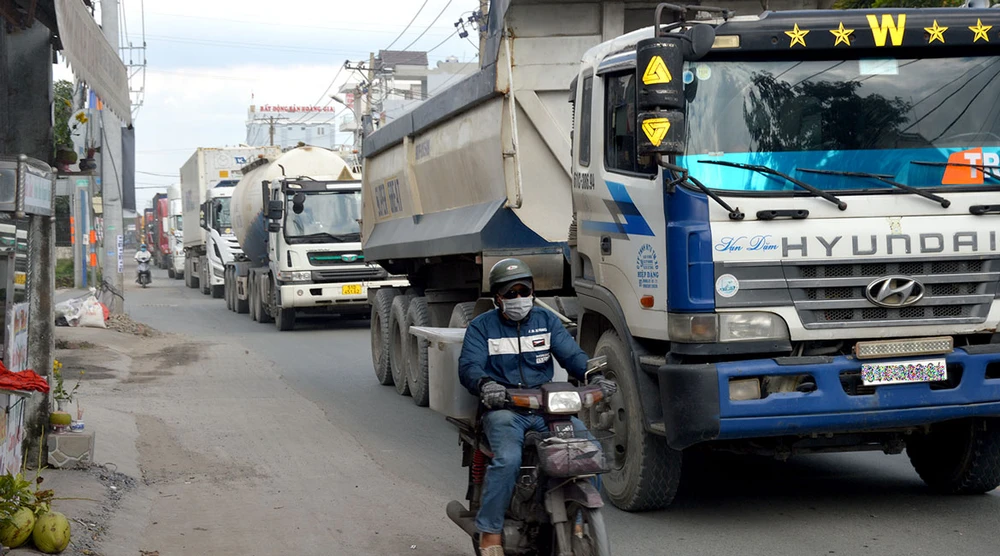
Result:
x=273 y=226
x=275 y=209
x=699 y=43
x=201 y=217
x=298 y=203
x=266 y=195
x=660 y=94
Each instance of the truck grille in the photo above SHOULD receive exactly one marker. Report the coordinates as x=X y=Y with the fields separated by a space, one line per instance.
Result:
x=349 y=274
x=330 y=258
x=833 y=295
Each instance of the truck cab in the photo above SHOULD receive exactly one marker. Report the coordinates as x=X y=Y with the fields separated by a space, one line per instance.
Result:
x=175 y=233
x=783 y=239
x=221 y=247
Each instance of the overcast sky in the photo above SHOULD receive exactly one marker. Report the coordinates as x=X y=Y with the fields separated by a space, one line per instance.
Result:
x=205 y=58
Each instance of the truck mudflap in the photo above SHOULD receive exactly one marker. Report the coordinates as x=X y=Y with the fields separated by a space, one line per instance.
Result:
x=697 y=406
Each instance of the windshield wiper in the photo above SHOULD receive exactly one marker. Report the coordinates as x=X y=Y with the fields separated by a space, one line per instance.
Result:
x=989 y=171
x=884 y=179
x=771 y=171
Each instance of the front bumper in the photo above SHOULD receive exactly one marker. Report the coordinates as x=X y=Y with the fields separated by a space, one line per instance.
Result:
x=696 y=405
x=322 y=295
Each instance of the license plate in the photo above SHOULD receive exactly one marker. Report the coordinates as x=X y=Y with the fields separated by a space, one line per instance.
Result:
x=351 y=289
x=903 y=372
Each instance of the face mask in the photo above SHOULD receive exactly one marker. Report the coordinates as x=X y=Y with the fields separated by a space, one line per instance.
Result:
x=518 y=308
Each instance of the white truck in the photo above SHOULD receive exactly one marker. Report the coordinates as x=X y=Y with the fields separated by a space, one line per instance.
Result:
x=778 y=228
x=296 y=220
x=207 y=181
x=175 y=233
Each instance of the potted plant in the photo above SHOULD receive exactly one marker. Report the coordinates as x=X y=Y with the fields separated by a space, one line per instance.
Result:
x=59 y=393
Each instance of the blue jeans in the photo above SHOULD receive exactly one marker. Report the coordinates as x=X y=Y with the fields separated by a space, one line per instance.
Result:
x=505 y=430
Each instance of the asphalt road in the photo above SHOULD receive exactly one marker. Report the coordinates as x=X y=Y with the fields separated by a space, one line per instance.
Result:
x=865 y=503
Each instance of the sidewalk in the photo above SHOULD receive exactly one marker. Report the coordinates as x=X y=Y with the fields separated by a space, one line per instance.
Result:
x=225 y=459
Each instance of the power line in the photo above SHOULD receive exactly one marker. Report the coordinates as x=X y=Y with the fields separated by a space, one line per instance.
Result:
x=379 y=29
x=405 y=29
x=407 y=47
x=305 y=116
x=155 y=174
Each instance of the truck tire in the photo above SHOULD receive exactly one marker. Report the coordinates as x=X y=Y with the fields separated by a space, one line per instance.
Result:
x=381 y=360
x=417 y=314
x=253 y=298
x=958 y=457
x=218 y=291
x=227 y=290
x=284 y=319
x=171 y=274
x=263 y=311
x=397 y=342
x=242 y=305
x=645 y=472
x=461 y=315
x=205 y=280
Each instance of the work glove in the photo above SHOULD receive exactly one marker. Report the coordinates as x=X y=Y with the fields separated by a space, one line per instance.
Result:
x=608 y=387
x=493 y=395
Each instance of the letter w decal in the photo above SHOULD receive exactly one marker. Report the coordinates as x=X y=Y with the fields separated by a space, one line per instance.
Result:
x=888 y=27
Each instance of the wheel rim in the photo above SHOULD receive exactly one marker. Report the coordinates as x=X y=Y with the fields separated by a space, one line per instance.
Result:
x=619 y=426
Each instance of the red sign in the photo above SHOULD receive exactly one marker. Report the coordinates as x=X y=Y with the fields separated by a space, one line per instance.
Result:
x=295 y=108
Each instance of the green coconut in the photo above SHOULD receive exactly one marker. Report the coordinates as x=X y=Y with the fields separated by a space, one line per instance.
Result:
x=51 y=533
x=60 y=418
x=14 y=533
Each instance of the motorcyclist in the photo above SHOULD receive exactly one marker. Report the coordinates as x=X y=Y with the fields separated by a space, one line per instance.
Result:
x=512 y=347
x=142 y=256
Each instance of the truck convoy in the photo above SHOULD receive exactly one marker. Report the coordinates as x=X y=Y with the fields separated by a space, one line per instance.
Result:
x=778 y=228
x=160 y=248
x=295 y=218
x=207 y=182
x=175 y=233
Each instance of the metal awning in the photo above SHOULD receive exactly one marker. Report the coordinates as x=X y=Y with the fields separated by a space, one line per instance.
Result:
x=92 y=59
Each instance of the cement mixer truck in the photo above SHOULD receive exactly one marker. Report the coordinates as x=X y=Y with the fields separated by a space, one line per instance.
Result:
x=207 y=181
x=296 y=220
x=779 y=229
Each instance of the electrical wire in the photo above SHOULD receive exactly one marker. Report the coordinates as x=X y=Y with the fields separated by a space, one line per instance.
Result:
x=405 y=29
x=428 y=28
x=156 y=174
x=379 y=29
x=324 y=95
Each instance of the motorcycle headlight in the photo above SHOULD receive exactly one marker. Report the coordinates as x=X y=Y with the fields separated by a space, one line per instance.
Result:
x=741 y=327
x=564 y=402
x=294 y=276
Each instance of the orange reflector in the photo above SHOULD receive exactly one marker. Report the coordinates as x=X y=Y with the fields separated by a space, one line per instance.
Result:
x=647 y=301
x=93 y=259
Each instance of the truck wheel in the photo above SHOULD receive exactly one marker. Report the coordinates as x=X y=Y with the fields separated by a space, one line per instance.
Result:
x=958 y=457
x=205 y=280
x=227 y=290
x=284 y=319
x=218 y=292
x=253 y=299
x=381 y=308
x=645 y=472
x=171 y=274
x=398 y=333
x=242 y=305
x=461 y=315
x=263 y=311
x=416 y=352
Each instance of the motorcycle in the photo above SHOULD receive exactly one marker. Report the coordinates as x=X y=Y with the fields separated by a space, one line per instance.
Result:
x=556 y=507
x=143 y=275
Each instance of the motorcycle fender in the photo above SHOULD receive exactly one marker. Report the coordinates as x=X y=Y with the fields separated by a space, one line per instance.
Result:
x=555 y=504
x=583 y=493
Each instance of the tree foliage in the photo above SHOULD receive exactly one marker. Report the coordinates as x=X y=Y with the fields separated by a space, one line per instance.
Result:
x=63 y=110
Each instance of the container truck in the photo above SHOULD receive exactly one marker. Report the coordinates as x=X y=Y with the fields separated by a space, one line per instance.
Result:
x=296 y=220
x=160 y=248
x=778 y=228
x=175 y=234
x=207 y=181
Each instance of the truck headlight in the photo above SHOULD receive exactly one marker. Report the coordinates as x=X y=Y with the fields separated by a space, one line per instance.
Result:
x=564 y=402
x=725 y=327
x=742 y=327
x=295 y=276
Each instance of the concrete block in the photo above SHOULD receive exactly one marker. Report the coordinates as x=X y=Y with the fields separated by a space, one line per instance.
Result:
x=71 y=449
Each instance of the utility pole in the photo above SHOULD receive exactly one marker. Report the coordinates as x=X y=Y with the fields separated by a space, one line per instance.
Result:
x=111 y=168
x=484 y=6
x=368 y=96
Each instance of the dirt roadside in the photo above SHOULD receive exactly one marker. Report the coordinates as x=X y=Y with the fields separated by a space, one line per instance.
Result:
x=225 y=458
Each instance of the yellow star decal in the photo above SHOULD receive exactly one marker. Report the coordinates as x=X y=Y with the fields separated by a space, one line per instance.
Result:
x=981 y=31
x=936 y=32
x=798 y=36
x=843 y=35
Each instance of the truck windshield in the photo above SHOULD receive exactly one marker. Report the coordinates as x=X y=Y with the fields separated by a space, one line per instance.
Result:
x=326 y=216
x=868 y=115
x=222 y=216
